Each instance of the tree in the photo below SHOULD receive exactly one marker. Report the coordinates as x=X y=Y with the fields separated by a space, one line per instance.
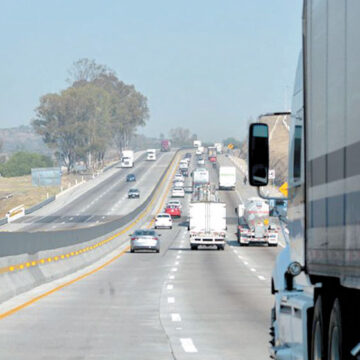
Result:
x=181 y=136
x=231 y=140
x=86 y=70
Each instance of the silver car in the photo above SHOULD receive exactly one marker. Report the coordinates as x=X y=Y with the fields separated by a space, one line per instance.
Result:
x=144 y=239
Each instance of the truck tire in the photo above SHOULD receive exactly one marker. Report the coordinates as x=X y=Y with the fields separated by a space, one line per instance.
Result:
x=319 y=332
x=273 y=245
x=193 y=247
x=221 y=247
x=335 y=339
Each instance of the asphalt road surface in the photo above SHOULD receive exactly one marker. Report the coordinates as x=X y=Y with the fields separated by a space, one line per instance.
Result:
x=104 y=202
x=179 y=304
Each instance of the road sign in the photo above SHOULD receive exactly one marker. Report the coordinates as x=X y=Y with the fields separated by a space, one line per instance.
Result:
x=284 y=189
x=230 y=146
x=272 y=174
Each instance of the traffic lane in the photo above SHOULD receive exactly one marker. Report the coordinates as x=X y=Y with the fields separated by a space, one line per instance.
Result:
x=84 y=209
x=112 y=314
x=220 y=308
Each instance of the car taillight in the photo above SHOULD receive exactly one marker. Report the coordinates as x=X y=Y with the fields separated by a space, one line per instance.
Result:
x=133 y=238
x=156 y=238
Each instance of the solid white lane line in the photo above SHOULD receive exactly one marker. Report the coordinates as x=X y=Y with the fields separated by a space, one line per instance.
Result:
x=171 y=300
x=170 y=287
x=253 y=269
x=174 y=269
x=261 y=277
x=175 y=317
x=188 y=345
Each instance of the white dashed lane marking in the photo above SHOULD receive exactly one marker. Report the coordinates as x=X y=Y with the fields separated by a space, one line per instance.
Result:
x=170 y=287
x=175 y=317
x=188 y=345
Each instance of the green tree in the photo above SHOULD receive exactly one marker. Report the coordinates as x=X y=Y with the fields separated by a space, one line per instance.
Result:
x=21 y=164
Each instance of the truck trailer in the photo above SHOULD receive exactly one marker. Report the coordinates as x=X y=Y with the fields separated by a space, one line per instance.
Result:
x=127 y=159
x=227 y=178
x=316 y=280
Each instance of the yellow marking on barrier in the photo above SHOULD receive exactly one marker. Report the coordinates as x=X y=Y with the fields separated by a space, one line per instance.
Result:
x=37 y=298
x=15 y=212
x=172 y=168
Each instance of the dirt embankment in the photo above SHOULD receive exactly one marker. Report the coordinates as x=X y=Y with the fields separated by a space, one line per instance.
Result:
x=279 y=144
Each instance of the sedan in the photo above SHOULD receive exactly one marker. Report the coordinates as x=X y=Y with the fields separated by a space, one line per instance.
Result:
x=178 y=192
x=163 y=220
x=174 y=202
x=179 y=177
x=144 y=239
x=178 y=184
x=173 y=211
x=133 y=194
x=130 y=178
x=201 y=161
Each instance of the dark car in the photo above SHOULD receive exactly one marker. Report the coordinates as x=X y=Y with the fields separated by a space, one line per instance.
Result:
x=130 y=178
x=133 y=194
x=187 y=156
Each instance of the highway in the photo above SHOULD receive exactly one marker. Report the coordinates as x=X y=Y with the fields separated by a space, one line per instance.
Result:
x=179 y=304
x=101 y=203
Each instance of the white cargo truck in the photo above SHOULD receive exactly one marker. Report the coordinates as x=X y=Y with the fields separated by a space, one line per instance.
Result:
x=207 y=224
x=254 y=223
x=316 y=279
x=227 y=178
x=197 y=143
x=200 y=176
x=219 y=147
x=127 y=159
x=151 y=154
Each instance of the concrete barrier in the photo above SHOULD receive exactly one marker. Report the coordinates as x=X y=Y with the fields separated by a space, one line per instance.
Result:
x=39 y=205
x=31 y=259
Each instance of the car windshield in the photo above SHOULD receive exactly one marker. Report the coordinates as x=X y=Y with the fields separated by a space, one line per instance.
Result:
x=163 y=216
x=144 y=232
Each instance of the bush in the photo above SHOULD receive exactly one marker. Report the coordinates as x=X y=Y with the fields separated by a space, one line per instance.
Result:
x=22 y=162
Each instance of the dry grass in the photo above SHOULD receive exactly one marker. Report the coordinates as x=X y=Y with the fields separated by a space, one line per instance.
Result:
x=22 y=192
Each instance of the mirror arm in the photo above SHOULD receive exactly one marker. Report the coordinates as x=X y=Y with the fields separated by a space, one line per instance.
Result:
x=270 y=197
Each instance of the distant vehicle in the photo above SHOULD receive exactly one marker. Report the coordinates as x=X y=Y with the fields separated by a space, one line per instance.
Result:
x=201 y=161
x=188 y=155
x=184 y=164
x=178 y=192
x=178 y=183
x=219 y=148
x=227 y=177
x=173 y=211
x=133 y=194
x=198 y=152
x=130 y=178
x=165 y=146
x=197 y=143
x=254 y=223
x=150 y=154
x=144 y=240
x=178 y=177
x=175 y=203
x=184 y=172
x=127 y=159
x=207 y=224
x=200 y=176
x=212 y=153
x=163 y=220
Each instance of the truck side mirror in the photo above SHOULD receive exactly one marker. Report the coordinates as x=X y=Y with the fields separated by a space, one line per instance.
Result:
x=258 y=154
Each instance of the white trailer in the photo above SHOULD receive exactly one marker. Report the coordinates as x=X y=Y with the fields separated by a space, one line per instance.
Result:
x=127 y=159
x=254 y=223
x=151 y=154
x=316 y=279
x=207 y=224
x=197 y=143
x=227 y=178
x=219 y=147
x=200 y=176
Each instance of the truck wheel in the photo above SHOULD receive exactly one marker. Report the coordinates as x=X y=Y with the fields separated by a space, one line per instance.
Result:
x=274 y=245
x=318 y=342
x=335 y=339
x=221 y=247
x=194 y=247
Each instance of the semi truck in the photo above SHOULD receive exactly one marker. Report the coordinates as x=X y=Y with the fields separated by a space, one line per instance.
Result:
x=165 y=146
x=207 y=220
x=127 y=159
x=255 y=224
x=151 y=154
x=316 y=279
x=227 y=178
x=200 y=177
x=219 y=147
x=197 y=143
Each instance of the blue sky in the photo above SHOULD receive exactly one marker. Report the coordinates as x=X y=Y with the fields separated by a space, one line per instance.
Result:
x=205 y=65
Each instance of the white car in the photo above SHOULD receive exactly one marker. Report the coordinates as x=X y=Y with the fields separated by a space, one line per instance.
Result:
x=178 y=177
x=178 y=183
x=198 y=152
x=201 y=161
x=163 y=220
x=178 y=192
x=175 y=203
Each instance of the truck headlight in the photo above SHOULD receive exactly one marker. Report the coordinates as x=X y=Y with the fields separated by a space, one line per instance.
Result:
x=294 y=268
